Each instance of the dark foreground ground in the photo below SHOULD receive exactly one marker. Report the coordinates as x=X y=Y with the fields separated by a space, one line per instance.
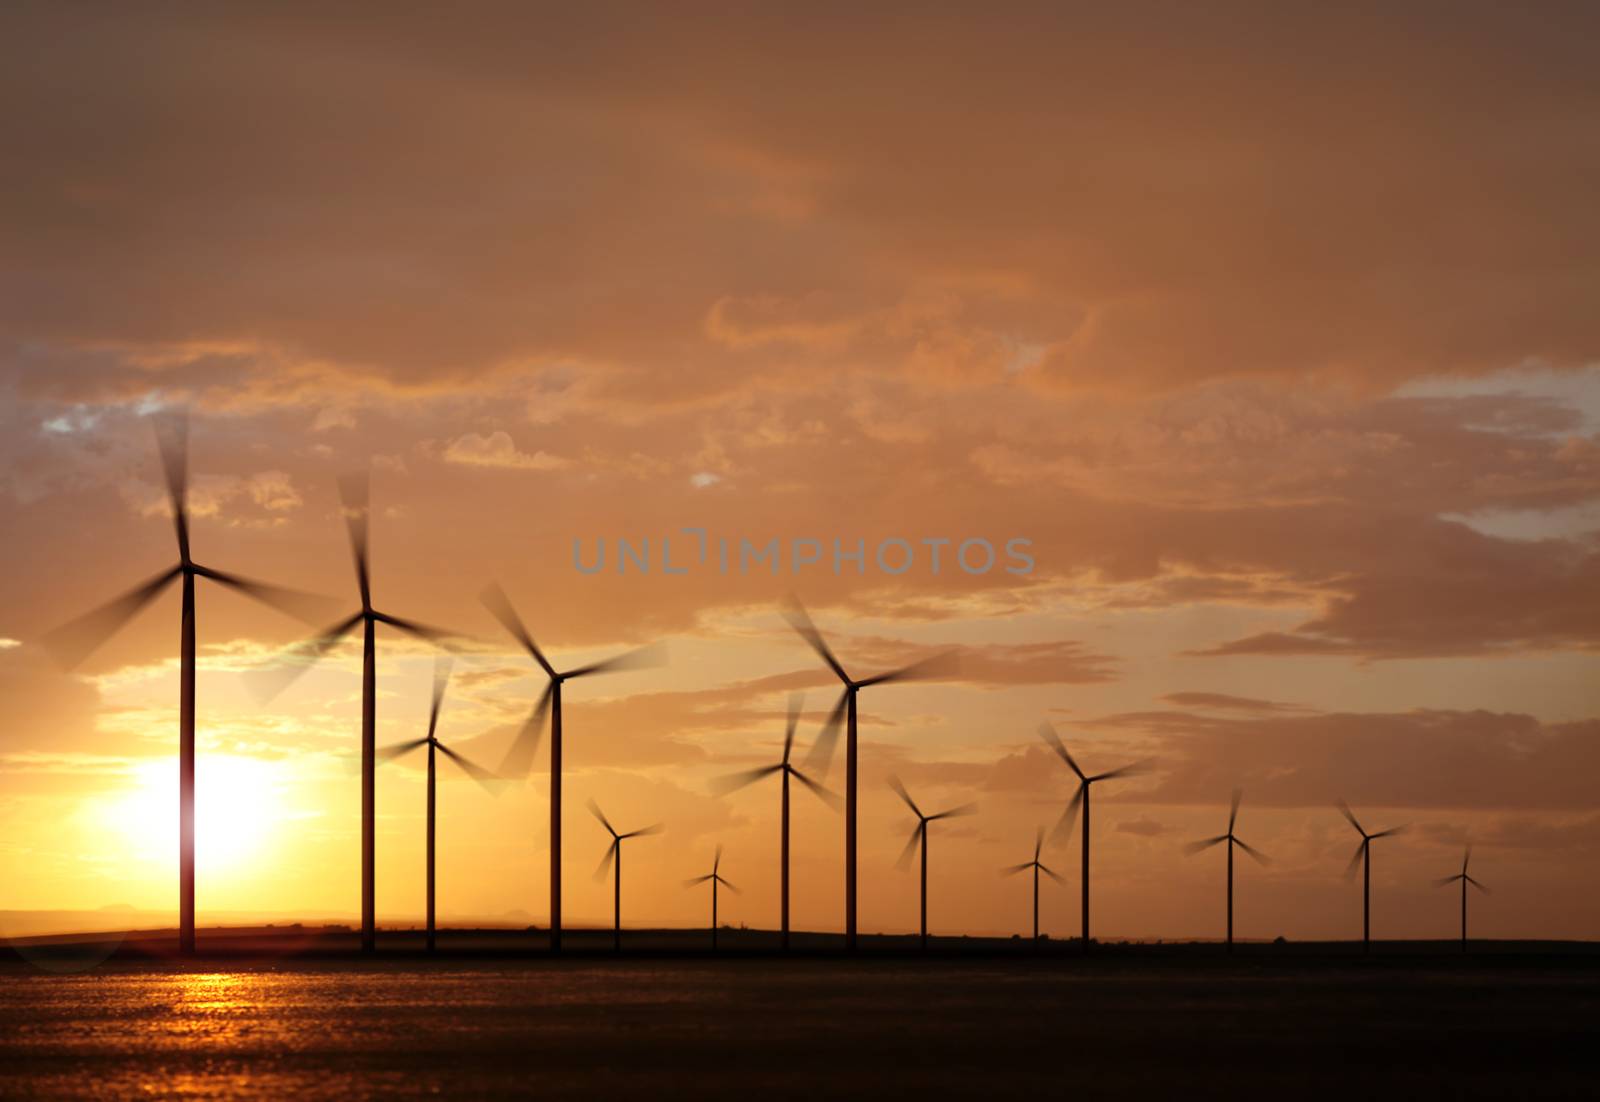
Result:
x=976 y=1019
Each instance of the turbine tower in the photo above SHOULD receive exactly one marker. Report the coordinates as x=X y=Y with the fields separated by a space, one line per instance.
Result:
x=519 y=758
x=74 y=641
x=1233 y=841
x=822 y=752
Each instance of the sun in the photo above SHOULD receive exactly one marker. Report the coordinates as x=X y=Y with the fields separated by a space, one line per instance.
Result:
x=238 y=802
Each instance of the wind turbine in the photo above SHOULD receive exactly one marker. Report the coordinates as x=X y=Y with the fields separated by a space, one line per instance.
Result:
x=1081 y=798
x=786 y=771
x=519 y=758
x=355 y=492
x=1363 y=857
x=822 y=753
x=716 y=878
x=76 y=640
x=613 y=858
x=1232 y=840
x=1037 y=866
x=441 y=678
x=1465 y=880
x=919 y=835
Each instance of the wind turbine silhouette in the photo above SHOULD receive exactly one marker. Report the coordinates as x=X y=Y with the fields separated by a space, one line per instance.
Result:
x=1232 y=840
x=1080 y=798
x=1037 y=866
x=1465 y=880
x=784 y=769
x=1363 y=857
x=613 y=859
x=919 y=835
x=441 y=678
x=822 y=751
x=355 y=493
x=716 y=878
x=519 y=757
x=74 y=641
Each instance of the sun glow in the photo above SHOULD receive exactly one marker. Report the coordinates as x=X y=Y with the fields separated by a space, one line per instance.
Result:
x=237 y=801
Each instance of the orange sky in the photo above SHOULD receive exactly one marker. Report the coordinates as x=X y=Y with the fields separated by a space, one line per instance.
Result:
x=1275 y=334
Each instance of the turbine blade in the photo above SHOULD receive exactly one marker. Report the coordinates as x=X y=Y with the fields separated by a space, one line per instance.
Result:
x=1482 y=888
x=308 y=608
x=1193 y=848
x=355 y=493
x=729 y=884
x=653 y=828
x=904 y=859
x=1233 y=811
x=499 y=605
x=826 y=795
x=637 y=659
x=721 y=786
x=1069 y=816
x=1134 y=770
x=821 y=757
x=1038 y=843
x=441 y=680
x=1053 y=740
x=1344 y=809
x=425 y=632
x=716 y=862
x=693 y=880
x=519 y=756
x=933 y=666
x=800 y=620
x=900 y=790
x=1466 y=859
x=1446 y=881
x=797 y=702
x=1253 y=852
x=1052 y=874
x=605 y=862
x=281 y=672
x=956 y=812
x=1012 y=870
x=1355 y=861
x=172 y=440
x=594 y=809
x=491 y=783
x=75 y=640
x=399 y=749
x=1392 y=831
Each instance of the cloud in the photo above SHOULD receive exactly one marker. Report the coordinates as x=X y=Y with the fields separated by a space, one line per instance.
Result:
x=497 y=450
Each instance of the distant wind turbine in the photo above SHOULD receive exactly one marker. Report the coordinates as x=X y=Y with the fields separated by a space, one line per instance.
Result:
x=519 y=758
x=441 y=678
x=1465 y=880
x=74 y=641
x=919 y=838
x=355 y=492
x=716 y=880
x=1037 y=866
x=613 y=859
x=1233 y=841
x=1080 y=798
x=822 y=752
x=1363 y=857
x=786 y=771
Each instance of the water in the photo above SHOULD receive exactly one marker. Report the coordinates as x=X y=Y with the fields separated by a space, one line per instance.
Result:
x=786 y=1029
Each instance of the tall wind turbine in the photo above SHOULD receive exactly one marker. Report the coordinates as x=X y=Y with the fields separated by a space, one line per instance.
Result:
x=822 y=752
x=1080 y=798
x=613 y=858
x=355 y=492
x=1465 y=880
x=786 y=771
x=519 y=758
x=1037 y=866
x=716 y=880
x=1363 y=857
x=1232 y=840
x=441 y=678
x=919 y=837
x=74 y=641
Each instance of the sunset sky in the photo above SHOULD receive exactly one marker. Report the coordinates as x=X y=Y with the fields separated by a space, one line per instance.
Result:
x=1277 y=334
